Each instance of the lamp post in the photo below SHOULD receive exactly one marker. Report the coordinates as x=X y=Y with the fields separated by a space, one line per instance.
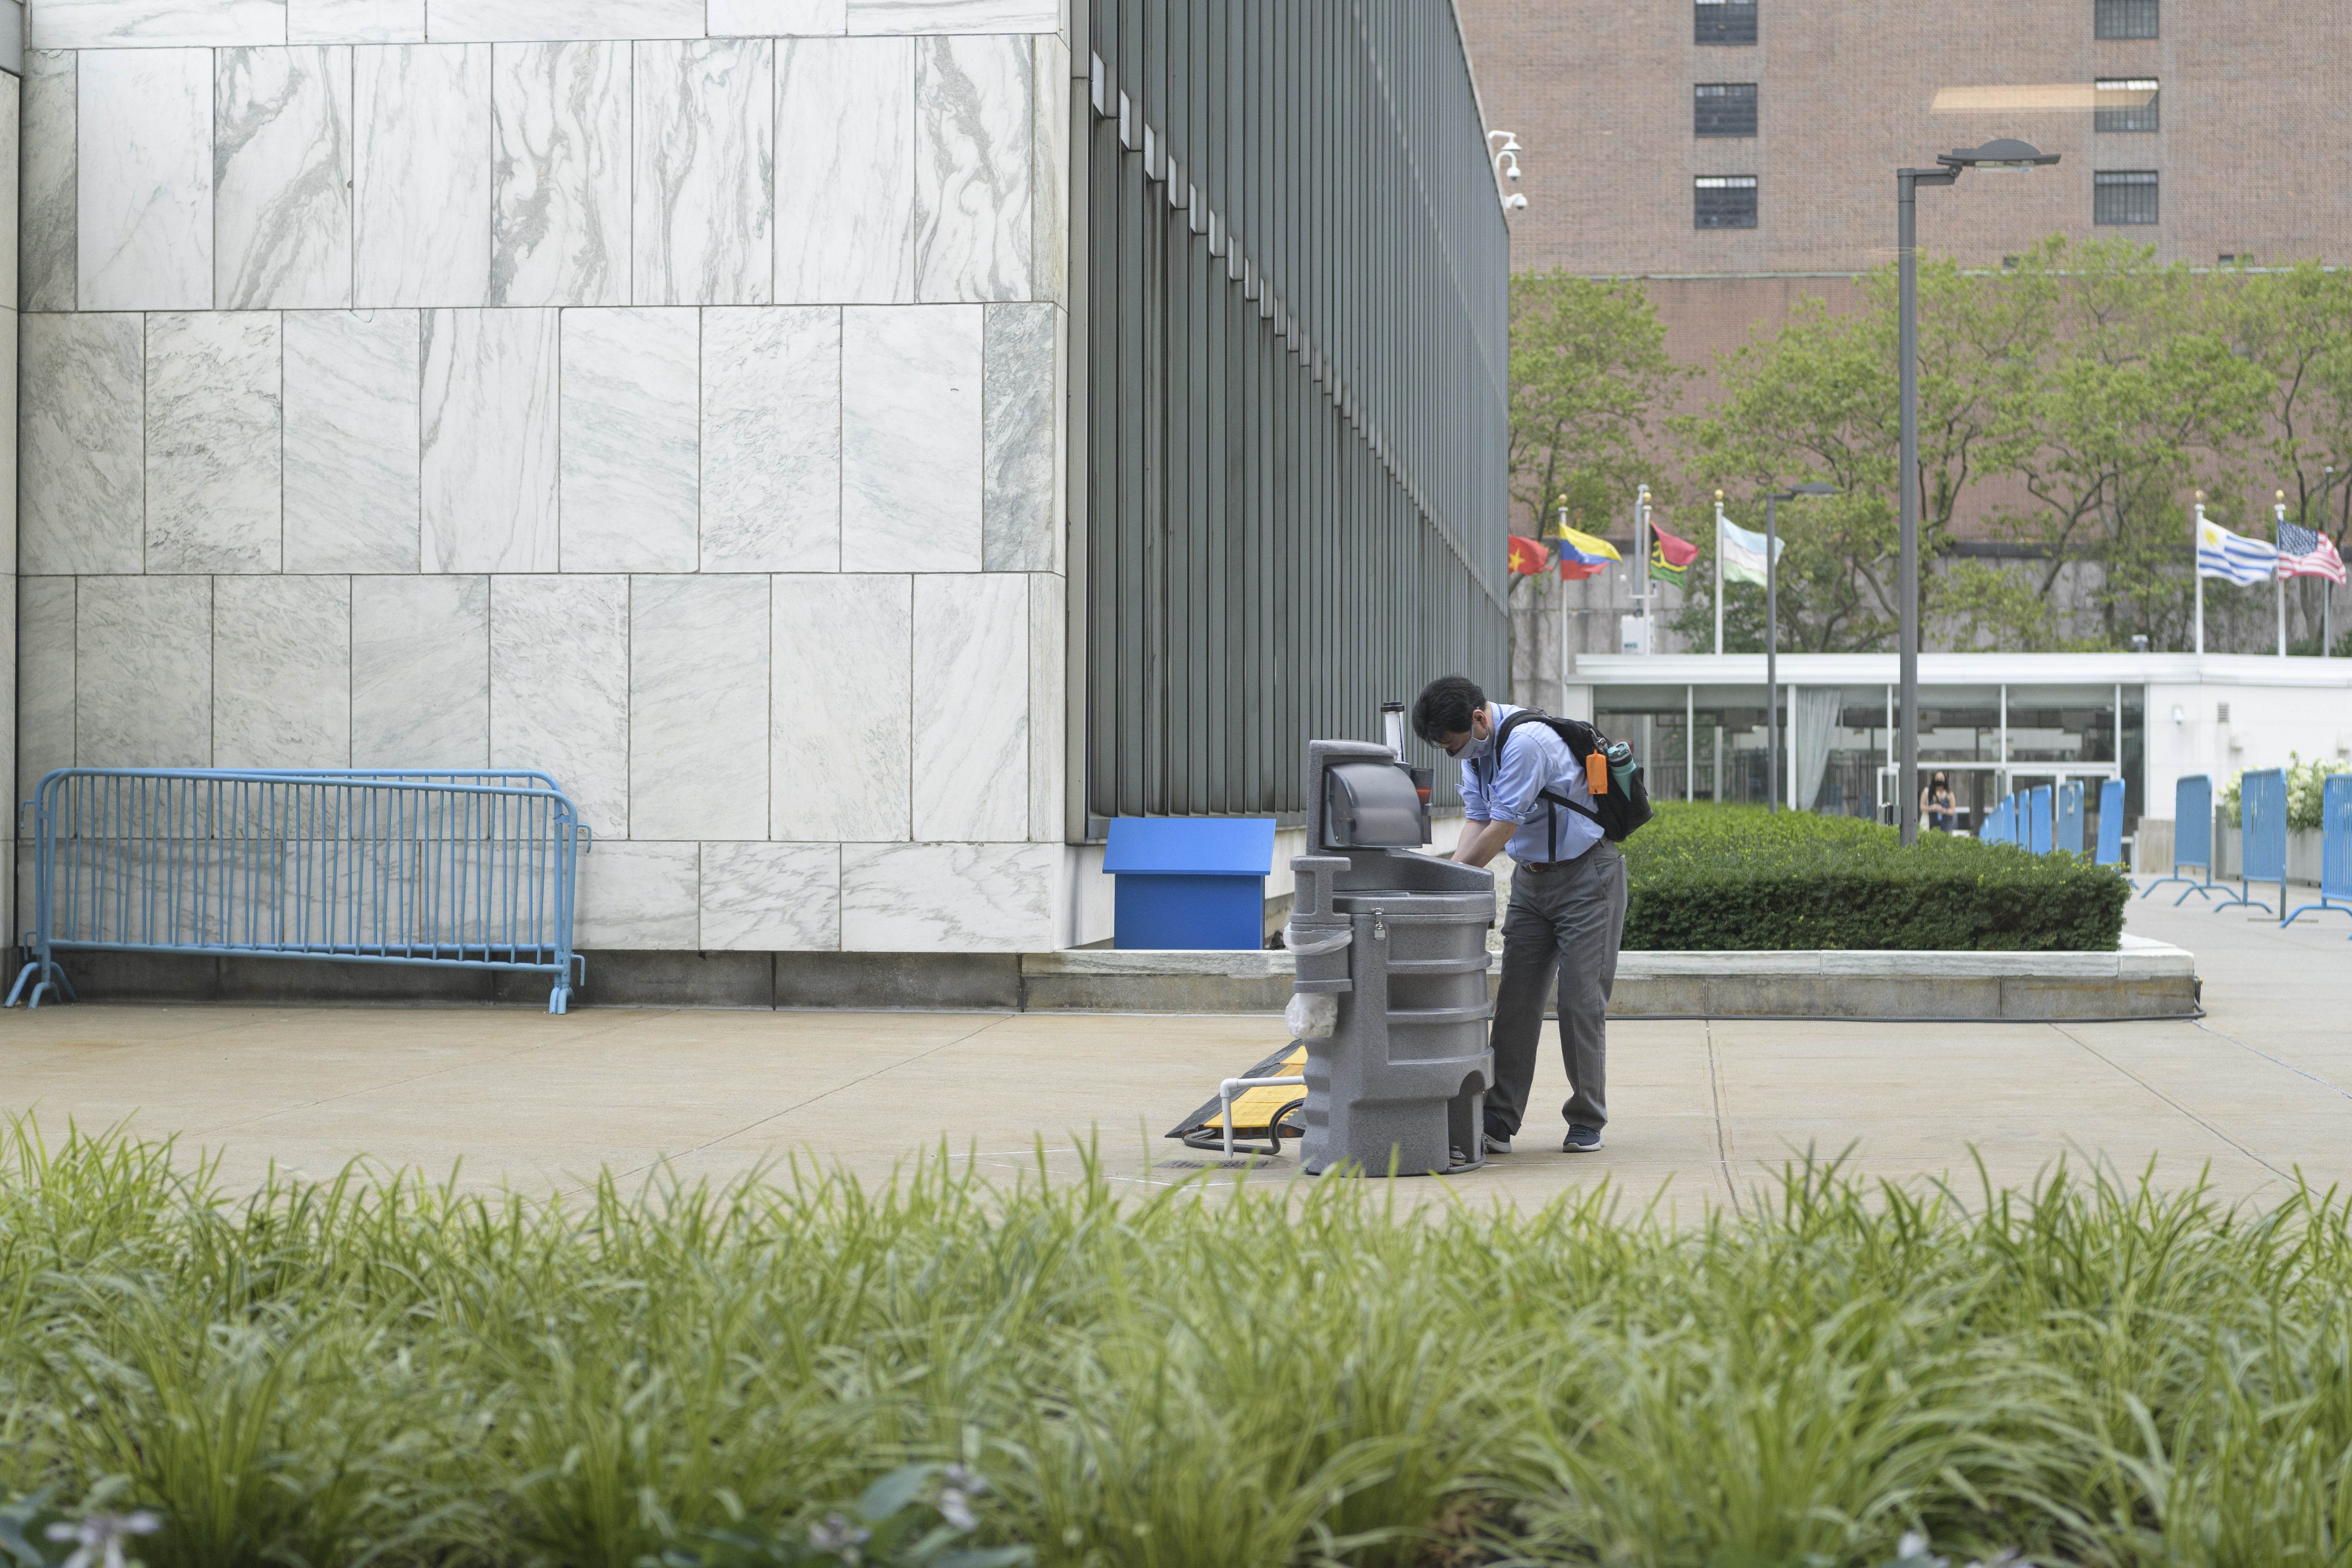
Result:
x=2006 y=155
x=1772 y=636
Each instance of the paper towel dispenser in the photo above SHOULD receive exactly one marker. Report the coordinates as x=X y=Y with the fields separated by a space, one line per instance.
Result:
x=1372 y=805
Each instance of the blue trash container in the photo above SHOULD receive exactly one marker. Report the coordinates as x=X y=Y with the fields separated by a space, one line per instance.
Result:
x=1190 y=881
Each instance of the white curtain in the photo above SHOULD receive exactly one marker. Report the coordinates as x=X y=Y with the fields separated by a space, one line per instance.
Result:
x=1815 y=714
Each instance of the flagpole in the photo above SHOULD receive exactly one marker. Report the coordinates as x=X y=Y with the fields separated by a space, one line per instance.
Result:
x=1642 y=550
x=1562 y=553
x=1718 y=572
x=2278 y=537
x=2196 y=543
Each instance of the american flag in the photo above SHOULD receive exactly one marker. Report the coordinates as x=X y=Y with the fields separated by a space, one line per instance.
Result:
x=2304 y=554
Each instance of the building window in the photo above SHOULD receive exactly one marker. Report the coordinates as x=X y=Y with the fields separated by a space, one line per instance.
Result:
x=1723 y=201
x=2123 y=195
x=2125 y=103
x=1724 y=109
x=2124 y=18
x=1729 y=21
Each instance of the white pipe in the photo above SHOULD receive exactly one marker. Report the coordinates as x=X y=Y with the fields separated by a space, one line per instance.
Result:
x=1225 y=1099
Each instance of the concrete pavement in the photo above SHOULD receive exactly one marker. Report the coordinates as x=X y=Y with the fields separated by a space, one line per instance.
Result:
x=2257 y=1091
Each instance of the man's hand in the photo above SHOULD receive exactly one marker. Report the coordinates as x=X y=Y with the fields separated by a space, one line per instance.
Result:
x=1482 y=841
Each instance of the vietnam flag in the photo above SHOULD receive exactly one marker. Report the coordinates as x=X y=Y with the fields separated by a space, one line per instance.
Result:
x=1672 y=555
x=1528 y=557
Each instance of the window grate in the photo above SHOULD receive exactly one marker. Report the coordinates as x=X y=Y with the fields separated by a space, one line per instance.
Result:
x=2124 y=18
x=2123 y=195
x=2125 y=103
x=1724 y=109
x=1723 y=21
x=1723 y=201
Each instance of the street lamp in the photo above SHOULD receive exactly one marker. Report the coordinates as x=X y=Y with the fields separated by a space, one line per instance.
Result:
x=2006 y=155
x=1772 y=636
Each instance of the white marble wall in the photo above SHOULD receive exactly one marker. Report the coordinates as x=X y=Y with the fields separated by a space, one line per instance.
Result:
x=668 y=393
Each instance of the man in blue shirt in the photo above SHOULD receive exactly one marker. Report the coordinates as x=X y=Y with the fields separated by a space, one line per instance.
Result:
x=1568 y=900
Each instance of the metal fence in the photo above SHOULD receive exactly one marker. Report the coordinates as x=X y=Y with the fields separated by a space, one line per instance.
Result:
x=461 y=869
x=1290 y=301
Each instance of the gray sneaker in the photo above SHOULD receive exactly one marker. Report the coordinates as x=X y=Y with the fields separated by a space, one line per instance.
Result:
x=1580 y=1139
x=1497 y=1145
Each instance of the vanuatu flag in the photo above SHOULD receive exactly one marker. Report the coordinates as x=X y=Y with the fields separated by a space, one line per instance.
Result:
x=1672 y=555
x=1528 y=557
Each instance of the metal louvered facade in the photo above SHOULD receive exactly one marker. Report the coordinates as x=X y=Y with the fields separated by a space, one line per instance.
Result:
x=1290 y=347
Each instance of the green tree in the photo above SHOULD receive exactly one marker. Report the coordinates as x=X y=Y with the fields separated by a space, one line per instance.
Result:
x=1590 y=372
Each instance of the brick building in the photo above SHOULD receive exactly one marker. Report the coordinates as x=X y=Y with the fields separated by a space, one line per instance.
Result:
x=1739 y=156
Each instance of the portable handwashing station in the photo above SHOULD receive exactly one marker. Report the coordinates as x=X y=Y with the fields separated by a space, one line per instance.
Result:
x=1390 y=1005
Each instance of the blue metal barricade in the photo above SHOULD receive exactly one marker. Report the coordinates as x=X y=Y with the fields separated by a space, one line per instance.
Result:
x=2262 y=837
x=2037 y=820
x=459 y=868
x=2111 y=823
x=2066 y=827
x=2334 y=849
x=2192 y=837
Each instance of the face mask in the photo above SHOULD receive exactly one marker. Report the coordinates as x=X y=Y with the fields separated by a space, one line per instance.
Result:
x=1472 y=749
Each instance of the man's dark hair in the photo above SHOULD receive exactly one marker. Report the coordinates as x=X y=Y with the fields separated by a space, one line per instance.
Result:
x=1444 y=707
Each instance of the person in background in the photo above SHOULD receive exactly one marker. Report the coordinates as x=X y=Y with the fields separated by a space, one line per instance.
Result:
x=1568 y=900
x=1936 y=804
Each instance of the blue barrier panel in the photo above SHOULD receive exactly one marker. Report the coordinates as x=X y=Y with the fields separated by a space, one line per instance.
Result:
x=2066 y=832
x=2111 y=823
x=2334 y=849
x=2192 y=837
x=2037 y=820
x=1996 y=824
x=2262 y=837
x=466 y=869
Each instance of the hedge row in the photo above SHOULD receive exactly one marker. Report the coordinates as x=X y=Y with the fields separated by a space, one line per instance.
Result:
x=1710 y=877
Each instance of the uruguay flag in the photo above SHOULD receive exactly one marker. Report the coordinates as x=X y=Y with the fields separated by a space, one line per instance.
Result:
x=2233 y=556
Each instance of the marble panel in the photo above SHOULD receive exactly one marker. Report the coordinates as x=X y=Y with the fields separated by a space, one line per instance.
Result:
x=1049 y=168
x=560 y=688
x=213 y=477
x=143 y=672
x=629 y=442
x=488 y=452
x=954 y=16
x=1049 y=719
x=282 y=178
x=635 y=897
x=351 y=440
x=698 y=708
x=1021 y=532
x=282 y=672
x=949 y=898
x=12 y=186
x=705 y=181
x=354 y=21
x=842 y=727
x=911 y=443
x=420 y=672
x=45 y=240
x=9 y=396
x=81 y=434
x=143 y=198
x=845 y=171
x=45 y=678
x=972 y=122
x=421 y=160
x=153 y=24
x=970 y=675
x=501 y=21
x=777 y=18
x=771 y=438
x=560 y=163
x=771 y=898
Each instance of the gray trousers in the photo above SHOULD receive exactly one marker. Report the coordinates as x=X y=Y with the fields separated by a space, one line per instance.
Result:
x=1567 y=919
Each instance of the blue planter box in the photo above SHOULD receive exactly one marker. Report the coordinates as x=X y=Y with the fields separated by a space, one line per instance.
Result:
x=1189 y=882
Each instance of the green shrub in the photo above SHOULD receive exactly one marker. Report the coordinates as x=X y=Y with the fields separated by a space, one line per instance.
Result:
x=1715 y=877
x=375 y=1373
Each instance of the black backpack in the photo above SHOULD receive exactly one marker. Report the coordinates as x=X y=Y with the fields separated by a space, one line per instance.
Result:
x=1621 y=811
